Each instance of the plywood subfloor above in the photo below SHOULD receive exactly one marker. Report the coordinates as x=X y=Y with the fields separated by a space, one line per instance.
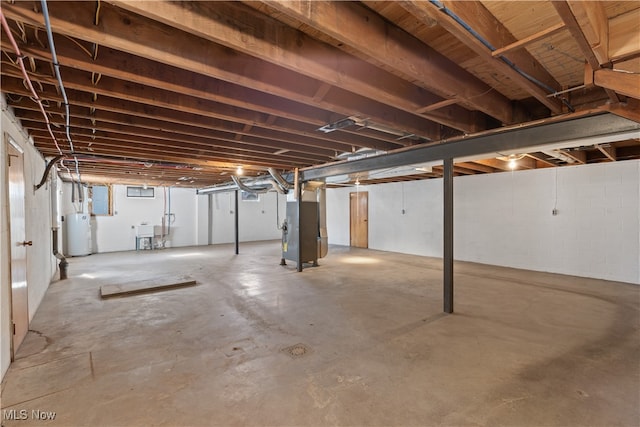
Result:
x=145 y=286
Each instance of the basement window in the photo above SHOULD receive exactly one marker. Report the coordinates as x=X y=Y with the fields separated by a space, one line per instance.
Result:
x=141 y=192
x=250 y=197
x=101 y=200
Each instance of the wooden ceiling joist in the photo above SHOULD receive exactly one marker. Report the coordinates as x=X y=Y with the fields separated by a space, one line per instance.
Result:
x=195 y=88
x=477 y=17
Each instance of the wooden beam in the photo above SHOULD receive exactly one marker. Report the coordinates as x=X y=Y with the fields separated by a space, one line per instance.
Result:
x=159 y=106
x=629 y=109
x=130 y=68
x=183 y=147
x=609 y=151
x=563 y=9
x=541 y=159
x=367 y=32
x=478 y=17
x=627 y=84
x=578 y=156
x=548 y=32
x=494 y=163
x=110 y=120
x=594 y=24
x=624 y=36
x=194 y=53
x=288 y=48
x=476 y=167
x=436 y=106
x=321 y=91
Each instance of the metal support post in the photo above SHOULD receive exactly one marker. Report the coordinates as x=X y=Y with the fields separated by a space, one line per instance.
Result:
x=237 y=225
x=299 y=208
x=448 y=235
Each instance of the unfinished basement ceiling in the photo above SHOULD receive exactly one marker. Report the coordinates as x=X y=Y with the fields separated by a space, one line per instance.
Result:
x=182 y=93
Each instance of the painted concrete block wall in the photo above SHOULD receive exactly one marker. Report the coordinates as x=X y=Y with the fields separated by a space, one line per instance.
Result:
x=258 y=220
x=117 y=232
x=222 y=218
x=506 y=219
x=41 y=266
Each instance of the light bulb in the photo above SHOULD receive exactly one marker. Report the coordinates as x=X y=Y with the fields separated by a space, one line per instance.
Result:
x=239 y=170
x=513 y=164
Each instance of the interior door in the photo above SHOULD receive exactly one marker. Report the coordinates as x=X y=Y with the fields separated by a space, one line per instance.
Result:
x=18 y=248
x=359 y=223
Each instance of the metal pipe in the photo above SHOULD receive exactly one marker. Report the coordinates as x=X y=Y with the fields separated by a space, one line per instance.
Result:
x=489 y=46
x=45 y=175
x=279 y=179
x=63 y=260
x=246 y=188
x=276 y=186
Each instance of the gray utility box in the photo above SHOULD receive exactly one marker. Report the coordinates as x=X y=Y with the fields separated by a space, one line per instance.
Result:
x=308 y=226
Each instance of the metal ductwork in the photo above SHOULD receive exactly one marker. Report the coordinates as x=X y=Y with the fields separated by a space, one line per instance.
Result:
x=283 y=183
x=556 y=154
x=257 y=185
x=247 y=189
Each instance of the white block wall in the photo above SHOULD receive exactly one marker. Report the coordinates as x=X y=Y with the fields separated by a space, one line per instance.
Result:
x=506 y=219
x=117 y=232
x=257 y=220
x=41 y=265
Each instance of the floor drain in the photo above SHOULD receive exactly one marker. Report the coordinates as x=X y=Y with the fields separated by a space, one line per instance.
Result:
x=296 y=351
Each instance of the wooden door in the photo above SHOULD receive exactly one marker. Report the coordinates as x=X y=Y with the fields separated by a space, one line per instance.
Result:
x=359 y=223
x=18 y=248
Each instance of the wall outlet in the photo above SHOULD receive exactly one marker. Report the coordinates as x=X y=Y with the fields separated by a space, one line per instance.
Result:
x=554 y=212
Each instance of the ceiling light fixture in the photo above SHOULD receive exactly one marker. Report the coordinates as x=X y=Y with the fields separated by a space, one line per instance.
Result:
x=239 y=170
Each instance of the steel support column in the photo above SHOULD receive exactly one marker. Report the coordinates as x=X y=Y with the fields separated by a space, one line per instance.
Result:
x=235 y=211
x=210 y=219
x=447 y=267
x=298 y=188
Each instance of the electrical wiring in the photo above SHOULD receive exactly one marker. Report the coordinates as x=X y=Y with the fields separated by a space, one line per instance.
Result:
x=54 y=58
x=20 y=62
x=489 y=46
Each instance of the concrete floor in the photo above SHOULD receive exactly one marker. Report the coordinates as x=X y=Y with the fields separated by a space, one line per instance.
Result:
x=522 y=349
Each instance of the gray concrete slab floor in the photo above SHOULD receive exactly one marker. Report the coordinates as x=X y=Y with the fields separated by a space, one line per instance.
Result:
x=522 y=348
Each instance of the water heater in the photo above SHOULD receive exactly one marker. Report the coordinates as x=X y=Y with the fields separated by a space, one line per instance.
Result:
x=78 y=234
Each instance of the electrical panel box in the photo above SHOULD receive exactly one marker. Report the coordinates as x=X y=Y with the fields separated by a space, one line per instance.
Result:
x=307 y=226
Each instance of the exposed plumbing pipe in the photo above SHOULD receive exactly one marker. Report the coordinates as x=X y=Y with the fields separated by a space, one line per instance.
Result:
x=489 y=46
x=45 y=175
x=56 y=66
x=54 y=230
x=63 y=260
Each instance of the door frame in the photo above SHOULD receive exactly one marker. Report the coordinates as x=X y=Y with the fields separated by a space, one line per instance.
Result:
x=10 y=143
x=353 y=216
